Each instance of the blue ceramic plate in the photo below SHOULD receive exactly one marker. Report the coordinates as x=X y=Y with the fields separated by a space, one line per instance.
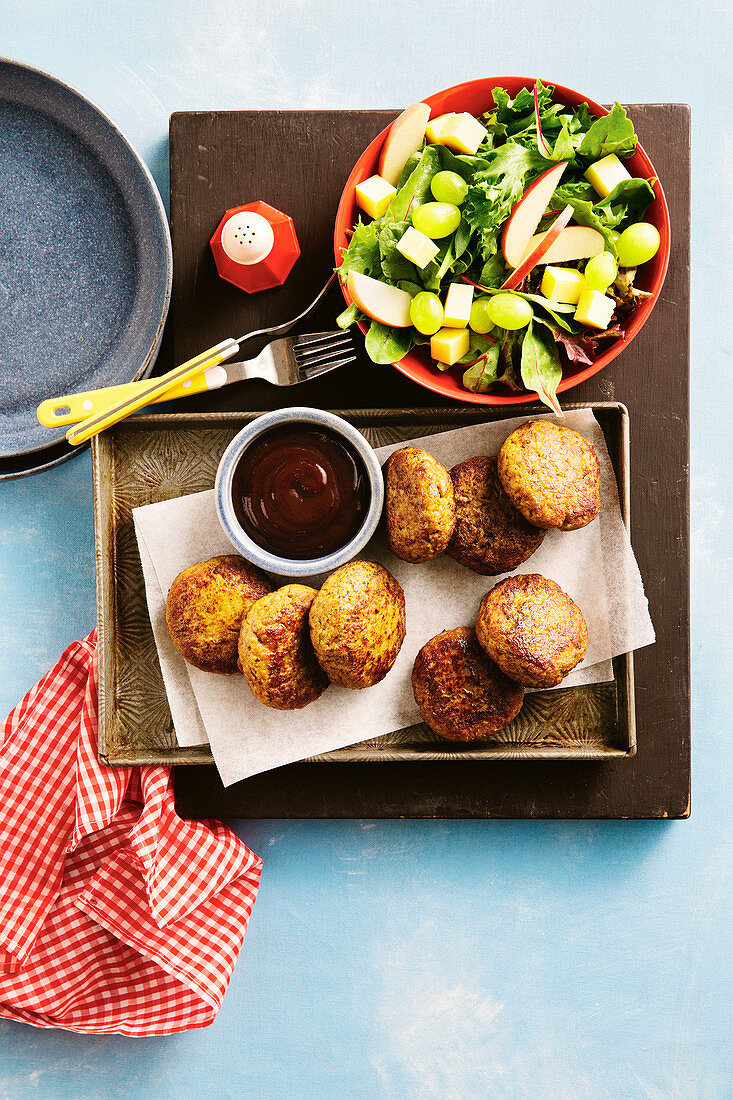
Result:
x=85 y=258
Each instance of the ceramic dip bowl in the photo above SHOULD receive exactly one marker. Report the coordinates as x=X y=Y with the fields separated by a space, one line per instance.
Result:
x=299 y=492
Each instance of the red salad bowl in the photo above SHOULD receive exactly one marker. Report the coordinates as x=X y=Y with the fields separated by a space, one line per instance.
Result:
x=475 y=97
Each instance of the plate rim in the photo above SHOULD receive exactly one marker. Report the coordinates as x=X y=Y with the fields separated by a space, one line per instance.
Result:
x=148 y=362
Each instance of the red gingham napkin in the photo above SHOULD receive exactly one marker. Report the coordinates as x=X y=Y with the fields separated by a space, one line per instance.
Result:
x=115 y=915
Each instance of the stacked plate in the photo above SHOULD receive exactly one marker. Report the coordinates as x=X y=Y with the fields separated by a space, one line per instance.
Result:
x=85 y=260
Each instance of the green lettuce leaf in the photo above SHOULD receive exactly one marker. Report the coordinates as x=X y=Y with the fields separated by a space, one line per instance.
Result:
x=363 y=252
x=388 y=345
x=628 y=202
x=495 y=189
x=484 y=372
x=395 y=266
x=464 y=165
x=493 y=273
x=348 y=316
x=416 y=188
x=614 y=133
x=540 y=367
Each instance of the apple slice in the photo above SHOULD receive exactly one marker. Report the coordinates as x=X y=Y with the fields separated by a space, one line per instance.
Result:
x=527 y=213
x=380 y=301
x=577 y=242
x=404 y=138
x=540 y=249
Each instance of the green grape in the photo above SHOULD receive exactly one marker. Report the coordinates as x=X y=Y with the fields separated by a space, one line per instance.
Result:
x=480 y=321
x=509 y=311
x=637 y=244
x=436 y=219
x=449 y=187
x=600 y=271
x=426 y=312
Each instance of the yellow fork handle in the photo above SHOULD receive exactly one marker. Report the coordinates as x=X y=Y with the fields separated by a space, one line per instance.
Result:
x=74 y=407
x=153 y=389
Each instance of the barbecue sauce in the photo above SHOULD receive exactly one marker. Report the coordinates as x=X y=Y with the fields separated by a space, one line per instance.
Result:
x=300 y=492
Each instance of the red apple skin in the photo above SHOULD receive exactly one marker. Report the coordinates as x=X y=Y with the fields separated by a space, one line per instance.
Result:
x=551 y=176
x=543 y=246
x=409 y=128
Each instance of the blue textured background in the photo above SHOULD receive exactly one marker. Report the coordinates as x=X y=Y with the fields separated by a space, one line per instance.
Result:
x=447 y=960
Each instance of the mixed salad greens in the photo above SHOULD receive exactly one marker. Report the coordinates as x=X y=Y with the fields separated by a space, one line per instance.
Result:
x=525 y=136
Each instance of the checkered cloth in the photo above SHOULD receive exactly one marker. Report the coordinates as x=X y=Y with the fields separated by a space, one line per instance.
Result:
x=115 y=915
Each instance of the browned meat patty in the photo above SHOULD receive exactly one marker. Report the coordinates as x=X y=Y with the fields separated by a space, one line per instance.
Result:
x=462 y=695
x=418 y=504
x=205 y=608
x=357 y=624
x=275 y=650
x=532 y=629
x=490 y=535
x=551 y=474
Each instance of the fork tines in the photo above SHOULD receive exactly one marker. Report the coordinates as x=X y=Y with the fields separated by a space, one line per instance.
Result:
x=318 y=352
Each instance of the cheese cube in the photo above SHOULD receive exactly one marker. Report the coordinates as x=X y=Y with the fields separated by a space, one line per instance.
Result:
x=418 y=248
x=448 y=345
x=434 y=128
x=374 y=196
x=457 y=309
x=594 y=309
x=562 y=284
x=463 y=134
x=606 y=173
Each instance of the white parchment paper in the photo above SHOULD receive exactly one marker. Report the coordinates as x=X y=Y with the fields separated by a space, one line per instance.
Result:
x=595 y=566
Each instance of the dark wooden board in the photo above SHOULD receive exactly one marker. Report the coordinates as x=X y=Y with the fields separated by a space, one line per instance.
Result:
x=299 y=161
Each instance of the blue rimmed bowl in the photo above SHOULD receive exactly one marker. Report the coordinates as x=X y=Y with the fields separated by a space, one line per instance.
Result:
x=240 y=540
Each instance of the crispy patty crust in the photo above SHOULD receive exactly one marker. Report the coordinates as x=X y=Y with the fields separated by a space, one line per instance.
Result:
x=490 y=535
x=275 y=651
x=357 y=624
x=532 y=630
x=551 y=475
x=205 y=608
x=462 y=695
x=419 y=505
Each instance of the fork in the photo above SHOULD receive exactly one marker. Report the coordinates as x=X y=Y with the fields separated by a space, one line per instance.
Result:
x=154 y=389
x=285 y=362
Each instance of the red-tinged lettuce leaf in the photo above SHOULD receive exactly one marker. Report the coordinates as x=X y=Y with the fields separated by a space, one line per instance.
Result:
x=482 y=373
x=542 y=144
x=573 y=343
x=593 y=339
x=388 y=345
x=540 y=367
x=580 y=347
x=625 y=294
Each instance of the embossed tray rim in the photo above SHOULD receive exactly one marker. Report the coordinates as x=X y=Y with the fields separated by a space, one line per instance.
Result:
x=103 y=482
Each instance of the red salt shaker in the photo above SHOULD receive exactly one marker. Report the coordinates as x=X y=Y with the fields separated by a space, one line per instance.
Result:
x=255 y=246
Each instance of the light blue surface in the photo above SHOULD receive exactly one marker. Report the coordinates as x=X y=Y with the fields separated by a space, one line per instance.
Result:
x=446 y=960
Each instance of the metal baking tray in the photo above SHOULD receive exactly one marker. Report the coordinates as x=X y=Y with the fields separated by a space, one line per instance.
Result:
x=151 y=458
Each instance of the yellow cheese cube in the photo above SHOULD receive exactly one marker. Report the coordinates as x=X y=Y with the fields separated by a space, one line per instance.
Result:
x=434 y=128
x=463 y=134
x=606 y=174
x=457 y=309
x=374 y=196
x=594 y=309
x=562 y=284
x=418 y=248
x=448 y=345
